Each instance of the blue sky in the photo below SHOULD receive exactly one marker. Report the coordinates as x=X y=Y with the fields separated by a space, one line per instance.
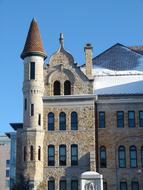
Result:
x=101 y=22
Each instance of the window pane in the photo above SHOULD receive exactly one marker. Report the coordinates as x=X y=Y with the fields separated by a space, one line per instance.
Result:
x=104 y=185
x=101 y=119
x=74 y=185
x=74 y=121
x=51 y=121
x=32 y=109
x=67 y=88
x=62 y=121
x=51 y=185
x=102 y=157
x=120 y=119
x=141 y=119
x=123 y=185
x=135 y=185
x=31 y=152
x=63 y=185
x=7 y=173
x=133 y=157
x=57 y=88
x=7 y=163
x=122 y=157
x=62 y=155
x=131 y=119
x=142 y=156
x=51 y=155
x=74 y=155
x=25 y=104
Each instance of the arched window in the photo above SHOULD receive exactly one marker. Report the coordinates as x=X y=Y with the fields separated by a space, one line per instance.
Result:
x=63 y=185
x=142 y=156
x=122 y=157
x=51 y=184
x=39 y=153
x=51 y=155
x=51 y=121
x=31 y=152
x=74 y=154
x=74 y=121
x=67 y=87
x=133 y=157
x=62 y=155
x=103 y=160
x=25 y=153
x=57 y=88
x=62 y=121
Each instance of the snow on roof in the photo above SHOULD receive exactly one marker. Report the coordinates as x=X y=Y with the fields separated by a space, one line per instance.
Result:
x=118 y=70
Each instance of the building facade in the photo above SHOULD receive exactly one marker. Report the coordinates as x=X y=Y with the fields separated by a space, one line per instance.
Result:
x=81 y=118
x=4 y=162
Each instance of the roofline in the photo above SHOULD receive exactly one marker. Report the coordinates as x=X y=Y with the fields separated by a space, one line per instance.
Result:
x=33 y=53
x=16 y=126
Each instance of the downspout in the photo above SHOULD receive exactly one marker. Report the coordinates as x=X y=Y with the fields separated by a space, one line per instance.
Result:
x=96 y=134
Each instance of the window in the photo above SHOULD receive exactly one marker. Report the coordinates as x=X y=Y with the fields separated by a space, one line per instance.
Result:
x=74 y=184
x=51 y=121
x=142 y=156
x=51 y=184
x=7 y=173
x=101 y=119
x=31 y=152
x=51 y=155
x=135 y=185
x=67 y=87
x=104 y=185
x=57 y=88
x=7 y=163
x=103 y=163
x=122 y=157
x=140 y=118
x=25 y=153
x=120 y=119
x=74 y=154
x=32 y=70
x=123 y=185
x=131 y=119
x=25 y=104
x=39 y=119
x=62 y=121
x=7 y=183
x=63 y=185
x=133 y=157
x=39 y=153
x=32 y=109
x=62 y=155
x=74 y=121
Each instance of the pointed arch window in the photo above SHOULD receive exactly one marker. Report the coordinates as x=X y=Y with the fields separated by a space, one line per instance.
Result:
x=122 y=157
x=39 y=153
x=51 y=121
x=25 y=153
x=133 y=156
x=103 y=160
x=51 y=155
x=31 y=152
x=67 y=87
x=74 y=121
x=51 y=184
x=62 y=121
x=57 y=88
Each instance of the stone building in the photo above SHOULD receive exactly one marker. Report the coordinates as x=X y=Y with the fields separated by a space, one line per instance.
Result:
x=81 y=118
x=4 y=162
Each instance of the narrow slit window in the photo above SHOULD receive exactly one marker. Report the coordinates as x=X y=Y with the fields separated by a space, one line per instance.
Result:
x=32 y=70
x=140 y=118
x=39 y=119
x=25 y=153
x=32 y=109
x=31 y=153
x=25 y=104
x=39 y=153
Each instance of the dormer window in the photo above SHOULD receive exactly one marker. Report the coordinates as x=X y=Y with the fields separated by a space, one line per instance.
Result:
x=67 y=87
x=57 y=88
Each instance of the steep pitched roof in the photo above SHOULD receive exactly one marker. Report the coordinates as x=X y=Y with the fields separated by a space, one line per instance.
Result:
x=33 y=44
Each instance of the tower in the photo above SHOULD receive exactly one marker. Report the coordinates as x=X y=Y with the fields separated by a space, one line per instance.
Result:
x=32 y=134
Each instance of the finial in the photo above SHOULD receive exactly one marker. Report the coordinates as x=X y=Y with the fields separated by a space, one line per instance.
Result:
x=61 y=39
x=34 y=19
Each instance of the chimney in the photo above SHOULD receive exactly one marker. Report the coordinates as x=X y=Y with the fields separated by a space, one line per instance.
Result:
x=88 y=60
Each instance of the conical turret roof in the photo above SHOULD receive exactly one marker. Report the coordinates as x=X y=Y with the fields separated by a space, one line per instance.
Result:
x=33 y=44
